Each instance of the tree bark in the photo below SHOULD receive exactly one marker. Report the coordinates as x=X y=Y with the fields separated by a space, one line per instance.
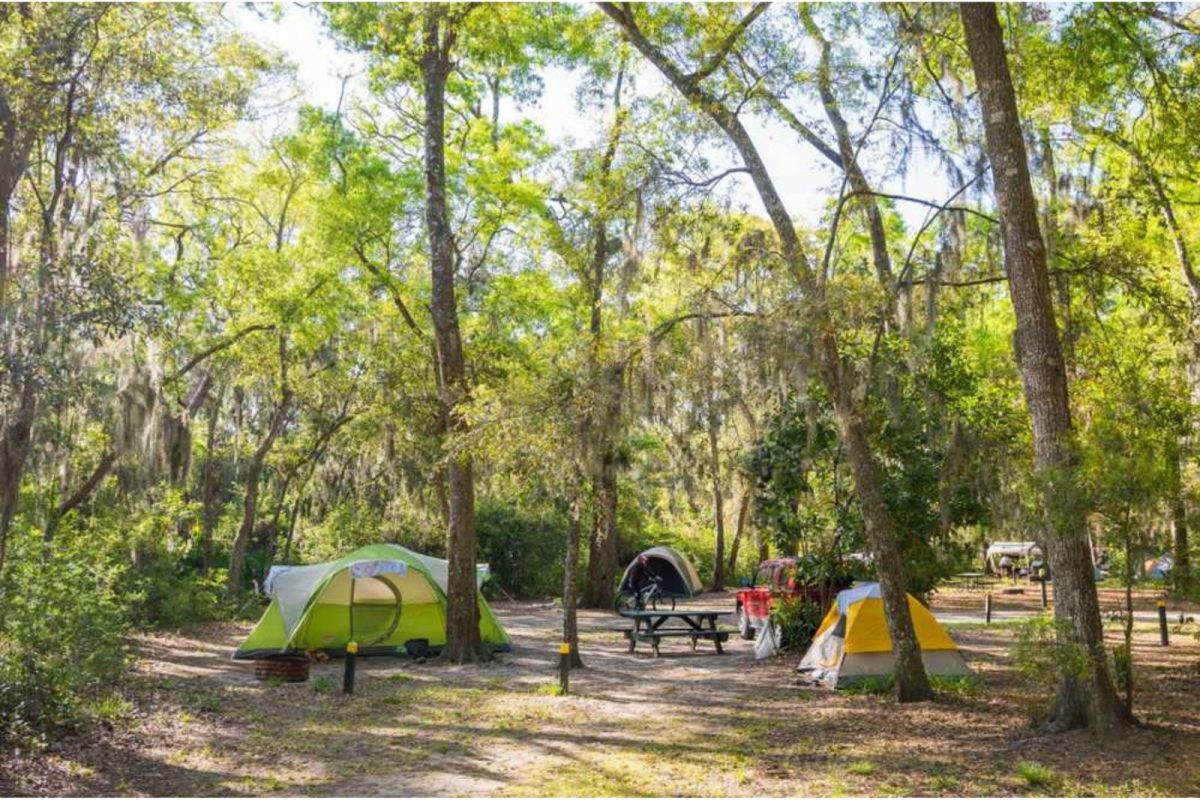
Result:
x=912 y=684
x=237 y=555
x=1181 y=569
x=1089 y=700
x=571 y=568
x=80 y=495
x=208 y=487
x=15 y=441
x=718 y=581
x=602 y=542
x=600 y=426
x=463 y=642
x=739 y=528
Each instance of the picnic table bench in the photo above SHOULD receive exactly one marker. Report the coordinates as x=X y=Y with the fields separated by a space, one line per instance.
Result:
x=973 y=580
x=653 y=626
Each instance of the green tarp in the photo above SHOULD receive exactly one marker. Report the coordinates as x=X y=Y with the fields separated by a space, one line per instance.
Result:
x=381 y=596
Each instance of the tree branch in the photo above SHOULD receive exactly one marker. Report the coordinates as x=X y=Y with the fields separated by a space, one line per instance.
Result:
x=716 y=59
x=227 y=342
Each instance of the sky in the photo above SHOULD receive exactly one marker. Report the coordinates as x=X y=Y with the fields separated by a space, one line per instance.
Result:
x=802 y=178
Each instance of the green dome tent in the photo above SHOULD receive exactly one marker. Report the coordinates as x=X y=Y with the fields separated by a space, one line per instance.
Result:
x=380 y=596
x=679 y=578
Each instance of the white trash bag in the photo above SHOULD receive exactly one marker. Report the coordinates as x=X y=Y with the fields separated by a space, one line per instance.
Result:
x=766 y=643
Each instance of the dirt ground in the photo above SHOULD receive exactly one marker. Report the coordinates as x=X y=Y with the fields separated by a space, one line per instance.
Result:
x=683 y=724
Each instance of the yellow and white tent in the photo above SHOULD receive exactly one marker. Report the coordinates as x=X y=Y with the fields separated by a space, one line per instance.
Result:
x=853 y=641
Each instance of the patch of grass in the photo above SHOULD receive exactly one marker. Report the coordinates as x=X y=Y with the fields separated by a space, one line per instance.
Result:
x=1034 y=774
x=871 y=684
x=400 y=677
x=110 y=709
x=997 y=625
x=273 y=682
x=861 y=768
x=944 y=783
x=204 y=702
x=323 y=684
x=968 y=685
x=550 y=690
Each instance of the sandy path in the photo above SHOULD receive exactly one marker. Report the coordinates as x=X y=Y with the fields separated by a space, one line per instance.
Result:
x=687 y=723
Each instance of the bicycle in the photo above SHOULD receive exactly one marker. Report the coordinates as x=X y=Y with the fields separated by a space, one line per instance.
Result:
x=649 y=596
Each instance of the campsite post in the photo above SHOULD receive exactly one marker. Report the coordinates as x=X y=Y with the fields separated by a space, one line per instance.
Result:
x=987 y=607
x=1043 y=591
x=1162 y=622
x=348 y=675
x=564 y=667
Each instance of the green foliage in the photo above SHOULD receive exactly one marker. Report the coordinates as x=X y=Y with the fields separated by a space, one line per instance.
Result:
x=1043 y=653
x=862 y=768
x=805 y=497
x=796 y=619
x=525 y=549
x=62 y=635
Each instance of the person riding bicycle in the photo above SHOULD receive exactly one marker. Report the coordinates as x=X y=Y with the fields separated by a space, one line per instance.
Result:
x=639 y=579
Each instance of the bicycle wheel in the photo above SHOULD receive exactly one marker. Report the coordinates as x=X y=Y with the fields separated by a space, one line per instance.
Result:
x=624 y=602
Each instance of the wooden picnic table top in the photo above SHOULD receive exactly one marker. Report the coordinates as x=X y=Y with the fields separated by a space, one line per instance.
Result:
x=678 y=612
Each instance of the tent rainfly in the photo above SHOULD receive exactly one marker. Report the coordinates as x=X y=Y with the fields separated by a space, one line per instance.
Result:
x=853 y=641
x=1019 y=551
x=677 y=575
x=381 y=596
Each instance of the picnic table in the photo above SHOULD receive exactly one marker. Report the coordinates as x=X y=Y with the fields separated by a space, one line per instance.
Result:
x=972 y=580
x=654 y=625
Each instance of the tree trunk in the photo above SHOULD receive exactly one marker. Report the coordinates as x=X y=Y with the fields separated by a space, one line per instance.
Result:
x=571 y=567
x=463 y=642
x=718 y=581
x=237 y=556
x=602 y=555
x=80 y=495
x=1090 y=700
x=15 y=440
x=599 y=429
x=1181 y=569
x=208 y=488
x=739 y=529
x=291 y=530
x=912 y=683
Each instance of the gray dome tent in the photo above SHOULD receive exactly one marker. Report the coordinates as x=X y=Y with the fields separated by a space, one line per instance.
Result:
x=677 y=575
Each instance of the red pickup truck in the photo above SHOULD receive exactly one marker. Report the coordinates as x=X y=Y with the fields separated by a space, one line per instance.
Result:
x=773 y=578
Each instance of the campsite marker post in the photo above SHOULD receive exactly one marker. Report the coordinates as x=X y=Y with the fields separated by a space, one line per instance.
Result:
x=987 y=607
x=564 y=666
x=348 y=675
x=1043 y=592
x=1162 y=622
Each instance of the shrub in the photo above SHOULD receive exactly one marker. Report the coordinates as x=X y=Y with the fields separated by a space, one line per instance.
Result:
x=61 y=634
x=169 y=593
x=797 y=621
x=525 y=550
x=1042 y=655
